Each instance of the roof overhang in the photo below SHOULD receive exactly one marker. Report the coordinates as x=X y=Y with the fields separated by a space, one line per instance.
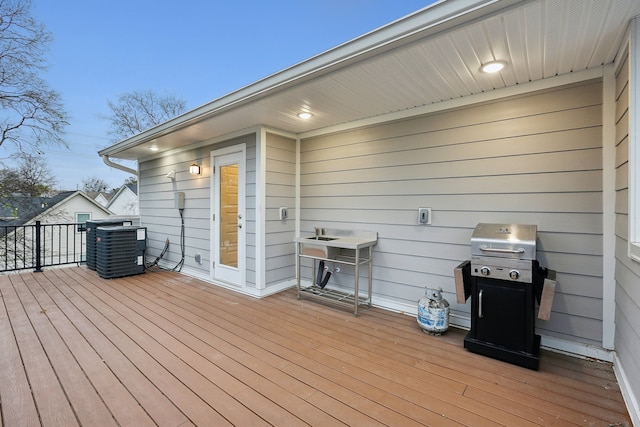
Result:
x=431 y=56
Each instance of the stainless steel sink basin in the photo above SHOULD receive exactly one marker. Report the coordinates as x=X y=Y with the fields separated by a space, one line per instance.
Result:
x=323 y=238
x=319 y=250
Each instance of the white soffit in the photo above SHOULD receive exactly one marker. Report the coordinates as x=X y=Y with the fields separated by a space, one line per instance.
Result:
x=538 y=39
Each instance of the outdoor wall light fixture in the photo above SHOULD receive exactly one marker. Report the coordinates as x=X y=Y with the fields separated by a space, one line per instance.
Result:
x=304 y=115
x=194 y=169
x=493 y=66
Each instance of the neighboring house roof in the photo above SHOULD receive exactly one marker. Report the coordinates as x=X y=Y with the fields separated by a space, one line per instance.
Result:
x=133 y=188
x=19 y=210
x=100 y=197
x=429 y=57
x=128 y=188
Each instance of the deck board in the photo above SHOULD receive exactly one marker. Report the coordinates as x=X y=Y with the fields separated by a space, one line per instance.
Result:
x=15 y=393
x=140 y=391
x=180 y=382
x=115 y=395
x=50 y=399
x=89 y=409
x=166 y=349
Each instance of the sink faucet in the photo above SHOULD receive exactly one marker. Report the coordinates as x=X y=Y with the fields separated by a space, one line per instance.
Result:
x=319 y=231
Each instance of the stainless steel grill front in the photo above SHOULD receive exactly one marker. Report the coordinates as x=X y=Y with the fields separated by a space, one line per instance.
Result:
x=504 y=251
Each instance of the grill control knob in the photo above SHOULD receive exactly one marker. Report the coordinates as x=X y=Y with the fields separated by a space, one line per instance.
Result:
x=514 y=274
x=485 y=271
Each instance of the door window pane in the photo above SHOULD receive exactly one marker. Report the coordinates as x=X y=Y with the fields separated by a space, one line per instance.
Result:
x=229 y=215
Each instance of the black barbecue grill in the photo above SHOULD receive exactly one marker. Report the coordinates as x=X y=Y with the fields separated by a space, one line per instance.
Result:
x=504 y=280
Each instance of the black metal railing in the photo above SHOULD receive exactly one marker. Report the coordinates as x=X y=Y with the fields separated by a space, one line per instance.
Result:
x=41 y=245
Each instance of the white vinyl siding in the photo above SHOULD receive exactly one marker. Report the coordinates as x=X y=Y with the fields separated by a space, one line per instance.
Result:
x=627 y=271
x=161 y=217
x=533 y=159
x=280 y=192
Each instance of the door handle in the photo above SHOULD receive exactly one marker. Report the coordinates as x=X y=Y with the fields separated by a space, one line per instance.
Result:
x=480 y=304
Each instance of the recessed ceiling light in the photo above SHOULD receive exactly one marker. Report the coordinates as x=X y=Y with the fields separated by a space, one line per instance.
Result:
x=493 y=66
x=153 y=148
x=304 y=115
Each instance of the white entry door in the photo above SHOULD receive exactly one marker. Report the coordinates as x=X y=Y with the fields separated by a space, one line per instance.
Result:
x=228 y=218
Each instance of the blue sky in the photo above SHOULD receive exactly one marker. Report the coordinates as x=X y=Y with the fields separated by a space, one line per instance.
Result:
x=196 y=50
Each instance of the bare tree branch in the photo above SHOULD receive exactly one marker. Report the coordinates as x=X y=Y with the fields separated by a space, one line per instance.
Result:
x=138 y=111
x=94 y=184
x=32 y=177
x=31 y=114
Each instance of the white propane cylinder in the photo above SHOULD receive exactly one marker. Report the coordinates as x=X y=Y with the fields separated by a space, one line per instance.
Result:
x=433 y=312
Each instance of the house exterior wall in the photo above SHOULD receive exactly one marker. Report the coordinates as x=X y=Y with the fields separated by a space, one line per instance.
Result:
x=101 y=200
x=125 y=203
x=627 y=271
x=532 y=159
x=62 y=242
x=280 y=192
x=160 y=215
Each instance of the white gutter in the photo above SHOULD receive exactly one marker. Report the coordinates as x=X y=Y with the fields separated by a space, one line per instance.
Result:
x=108 y=162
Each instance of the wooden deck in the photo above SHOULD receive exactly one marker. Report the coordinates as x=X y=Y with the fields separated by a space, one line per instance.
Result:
x=166 y=349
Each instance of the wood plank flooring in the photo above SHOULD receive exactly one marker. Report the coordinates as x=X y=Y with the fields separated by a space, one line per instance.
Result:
x=166 y=349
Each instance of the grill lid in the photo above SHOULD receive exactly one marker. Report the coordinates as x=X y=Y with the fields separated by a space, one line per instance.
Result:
x=515 y=241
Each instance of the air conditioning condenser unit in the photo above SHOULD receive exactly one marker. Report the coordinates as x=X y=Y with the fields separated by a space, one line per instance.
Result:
x=91 y=229
x=120 y=251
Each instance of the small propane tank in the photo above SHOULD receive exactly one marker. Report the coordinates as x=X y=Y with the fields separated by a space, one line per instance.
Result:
x=433 y=312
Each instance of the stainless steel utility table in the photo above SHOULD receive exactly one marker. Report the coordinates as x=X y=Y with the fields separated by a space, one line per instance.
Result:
x=344 y=247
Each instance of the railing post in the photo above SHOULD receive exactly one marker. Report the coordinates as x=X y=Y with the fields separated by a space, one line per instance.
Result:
x=38 y=248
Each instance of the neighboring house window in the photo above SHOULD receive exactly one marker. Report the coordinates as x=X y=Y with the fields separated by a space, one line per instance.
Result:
x=634 y=142
x=81 y=219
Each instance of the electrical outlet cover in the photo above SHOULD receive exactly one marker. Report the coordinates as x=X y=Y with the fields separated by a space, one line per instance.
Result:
x=284 y=213
x=424 y=215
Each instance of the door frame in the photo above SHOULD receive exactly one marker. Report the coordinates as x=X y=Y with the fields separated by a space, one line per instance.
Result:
x=239 y=279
